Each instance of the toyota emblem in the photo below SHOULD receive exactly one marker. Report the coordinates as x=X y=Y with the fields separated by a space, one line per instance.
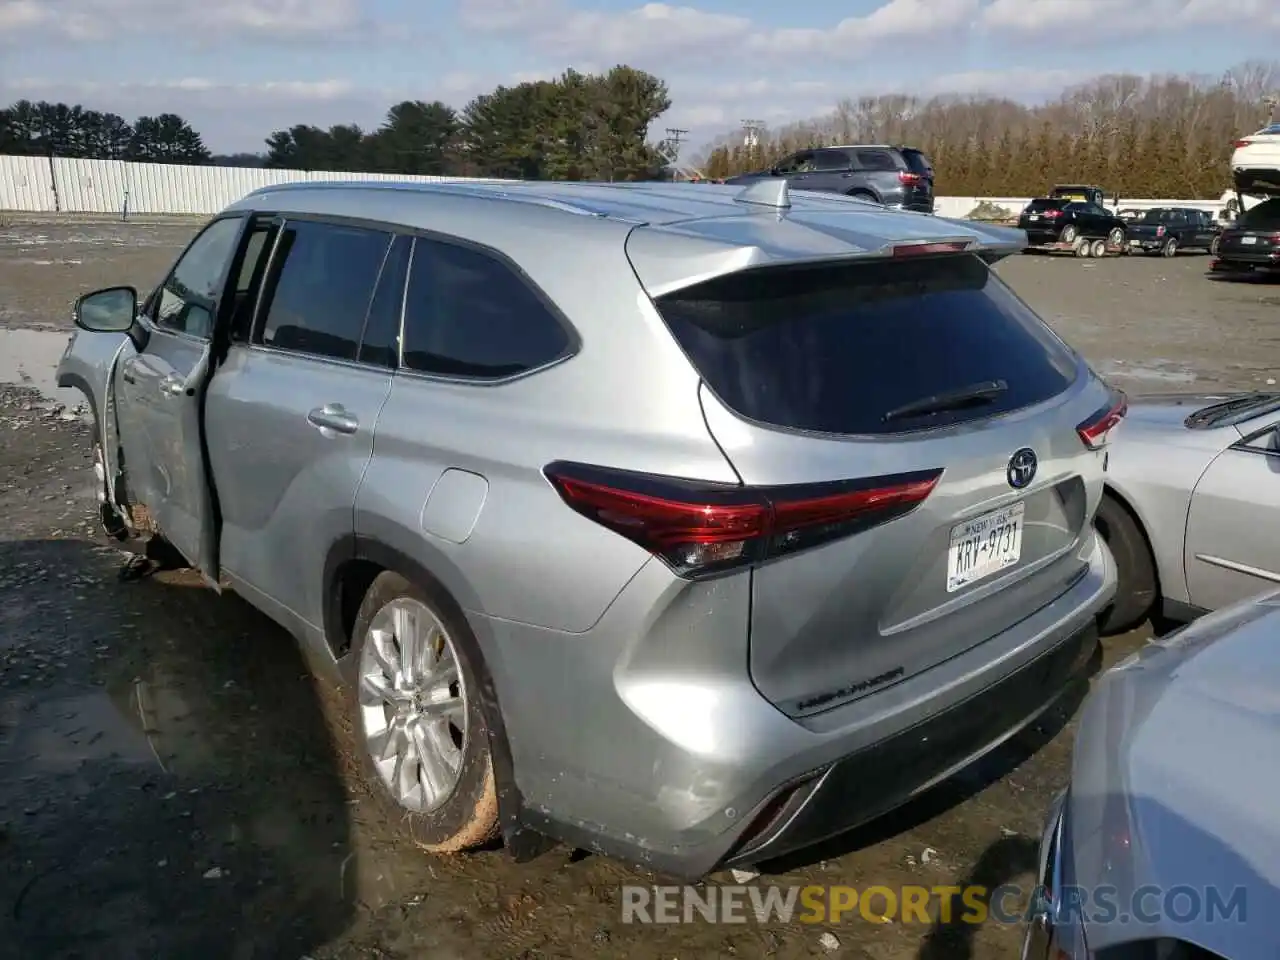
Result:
x=1022 y=468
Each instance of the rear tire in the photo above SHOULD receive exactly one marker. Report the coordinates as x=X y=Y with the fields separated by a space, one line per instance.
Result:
x=443 y=809
x=1116 y=237
x=1069 y=234
x=1099 y=248
x=1170 y=248
x=1137 y=589
x=1213 y=247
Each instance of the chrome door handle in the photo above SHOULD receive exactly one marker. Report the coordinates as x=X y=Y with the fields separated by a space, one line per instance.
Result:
x=333 y=416
x=172 y=386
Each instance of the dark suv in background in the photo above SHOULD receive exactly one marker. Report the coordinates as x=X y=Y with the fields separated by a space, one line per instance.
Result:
x=900 y=177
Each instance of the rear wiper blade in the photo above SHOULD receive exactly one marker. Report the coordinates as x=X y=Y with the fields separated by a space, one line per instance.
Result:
x=1216 y=412
x=973 y=395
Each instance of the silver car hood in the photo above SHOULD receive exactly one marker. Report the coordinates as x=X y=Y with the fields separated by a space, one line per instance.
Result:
x=1174 y=785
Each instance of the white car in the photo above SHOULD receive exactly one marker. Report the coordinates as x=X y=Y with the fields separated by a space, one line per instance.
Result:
x=1255 y=164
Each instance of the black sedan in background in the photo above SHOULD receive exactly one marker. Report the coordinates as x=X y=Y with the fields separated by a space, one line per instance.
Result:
x=1252 y=243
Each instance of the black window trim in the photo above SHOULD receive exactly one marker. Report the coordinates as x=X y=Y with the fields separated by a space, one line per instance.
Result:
x=572 y=348
x=1249 y=442
x=573 y=340
x=152 y=326
x=259 y=317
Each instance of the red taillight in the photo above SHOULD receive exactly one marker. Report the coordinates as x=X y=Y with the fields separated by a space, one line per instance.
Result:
x=1242 y=143
x=908 y=179
x=927 y=249
x=1096 y=431
x=1160 y=231
x=1051 y=214
x=701 y=528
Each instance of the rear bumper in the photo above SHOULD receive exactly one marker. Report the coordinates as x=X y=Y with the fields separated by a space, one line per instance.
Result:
x=873 y=781
x=1245 y=263
x=685 y=767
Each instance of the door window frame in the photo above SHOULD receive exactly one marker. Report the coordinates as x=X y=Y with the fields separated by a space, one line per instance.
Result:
x=1249 y=443
x=147 y=314
x=254 y=341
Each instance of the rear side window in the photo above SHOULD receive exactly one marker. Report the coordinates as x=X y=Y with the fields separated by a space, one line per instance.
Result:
x=833 y=349
x=320 y=286
x=468 y=314
x=1264 y=216
x=876 y=160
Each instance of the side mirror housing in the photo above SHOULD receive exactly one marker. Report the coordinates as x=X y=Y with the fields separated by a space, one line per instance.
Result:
x=111 y=310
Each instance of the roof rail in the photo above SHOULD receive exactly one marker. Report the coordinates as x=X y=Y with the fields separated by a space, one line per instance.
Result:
x=487 y=190
x=766 y=193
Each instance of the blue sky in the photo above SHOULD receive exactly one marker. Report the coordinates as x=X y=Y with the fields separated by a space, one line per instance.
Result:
x=238 y=69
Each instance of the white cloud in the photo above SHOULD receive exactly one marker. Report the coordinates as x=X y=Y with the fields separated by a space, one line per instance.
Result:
x=661 y=31
x=87 y=20
x=1092 y=20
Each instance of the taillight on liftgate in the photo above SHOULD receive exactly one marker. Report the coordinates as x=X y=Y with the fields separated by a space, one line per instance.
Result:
x=908 y=179
x=1052 y=214
x=1096 y=431
x=701 y=528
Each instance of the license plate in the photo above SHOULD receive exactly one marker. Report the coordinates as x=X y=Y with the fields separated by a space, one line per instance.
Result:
x=984 y=546
x=1248 y=239
x=1034 y=216
x=1135 y=243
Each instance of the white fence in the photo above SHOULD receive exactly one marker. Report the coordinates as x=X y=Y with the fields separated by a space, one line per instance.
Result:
x=44 y=185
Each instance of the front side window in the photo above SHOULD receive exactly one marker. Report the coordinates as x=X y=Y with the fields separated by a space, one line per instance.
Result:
x=320 y=286
x=187 y=301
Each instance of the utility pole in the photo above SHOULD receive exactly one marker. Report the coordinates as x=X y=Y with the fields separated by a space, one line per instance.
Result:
x=670 y=147
x=751 y=130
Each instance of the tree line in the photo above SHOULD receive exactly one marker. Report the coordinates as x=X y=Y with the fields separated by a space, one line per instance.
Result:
x=61 y=130
x=576 y=127
x=1156 y=137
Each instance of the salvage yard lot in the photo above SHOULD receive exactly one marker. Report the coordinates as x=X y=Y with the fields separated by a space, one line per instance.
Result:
x=167 y=783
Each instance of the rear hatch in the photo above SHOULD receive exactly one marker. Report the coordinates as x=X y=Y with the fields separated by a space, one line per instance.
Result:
x=918 y=181
x=930 y=541
x=1044 y=215
x=1256 y=235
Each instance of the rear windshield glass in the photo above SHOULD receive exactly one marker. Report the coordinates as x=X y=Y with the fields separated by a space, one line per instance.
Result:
x=835 y=348
x=917 y=162
x=1265 y=214
x=1035 y=206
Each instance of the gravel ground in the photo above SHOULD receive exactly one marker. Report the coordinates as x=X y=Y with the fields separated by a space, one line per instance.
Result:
x=168 y=786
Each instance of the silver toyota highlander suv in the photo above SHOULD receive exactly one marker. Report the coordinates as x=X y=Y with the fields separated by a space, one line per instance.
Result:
x=686 y=523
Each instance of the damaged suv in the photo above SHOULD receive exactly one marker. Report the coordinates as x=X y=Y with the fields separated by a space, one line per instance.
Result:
x=690 y=524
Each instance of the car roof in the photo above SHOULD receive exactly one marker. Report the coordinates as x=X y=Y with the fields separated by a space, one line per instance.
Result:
x=674 y=233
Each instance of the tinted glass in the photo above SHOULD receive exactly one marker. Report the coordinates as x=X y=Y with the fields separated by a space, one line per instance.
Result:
x=469 y=315
x=186 y=302
x=917 y=162
x=322 y=280
x=249 y=274
x=1039 y=206
x=381 y=341
x=1264 y=215
x=877 y=160
x=831 y=160
x=834 y=348
x=795 y=163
